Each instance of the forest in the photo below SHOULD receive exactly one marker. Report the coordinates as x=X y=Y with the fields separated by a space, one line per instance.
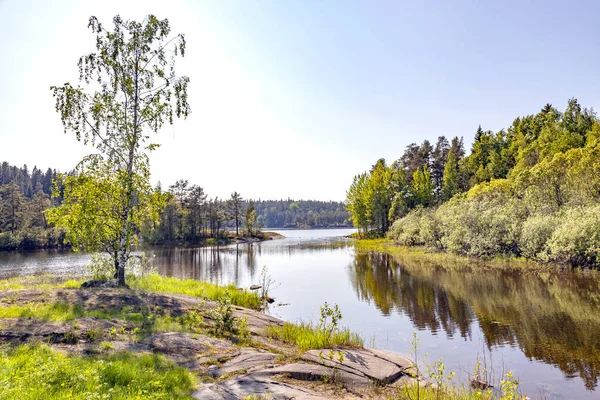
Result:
x=531 y=191
x=187 y=214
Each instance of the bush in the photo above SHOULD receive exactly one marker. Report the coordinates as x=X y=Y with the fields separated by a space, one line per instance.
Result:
x=535 y=234
x=407 y=230
x=576 y=241
x=8 y=241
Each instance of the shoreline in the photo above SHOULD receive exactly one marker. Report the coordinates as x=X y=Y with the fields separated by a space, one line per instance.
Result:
x=183 y=329
x=459 y=261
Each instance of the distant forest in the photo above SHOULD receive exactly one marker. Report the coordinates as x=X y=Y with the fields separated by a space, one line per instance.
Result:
x=188 y=214
x=302 y=214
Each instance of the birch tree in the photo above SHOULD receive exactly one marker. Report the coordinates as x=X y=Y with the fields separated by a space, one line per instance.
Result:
x=127 y=91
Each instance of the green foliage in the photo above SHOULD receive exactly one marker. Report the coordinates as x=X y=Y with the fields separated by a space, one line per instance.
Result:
x=576 y=241
x=422 y=189
x=250 y=218
x=135 y=91
x=224 y=323
x=541 y=165
x=222 y=317
x=36 y=372
x=451 y=183
x=544 y=209
x=330 y=317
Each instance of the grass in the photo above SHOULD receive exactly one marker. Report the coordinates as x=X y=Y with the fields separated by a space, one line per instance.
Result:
x=61 y=311
x=309 y=337
x=446 y=393
x=38 y=372
x=149 y=283
x=163 y=284
x=38 y=282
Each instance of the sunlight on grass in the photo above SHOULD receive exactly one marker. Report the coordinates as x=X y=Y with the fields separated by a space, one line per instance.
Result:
x=150 y=283
x=38 y=282
x=162 y=284
x=38 y=372
x=308 y=337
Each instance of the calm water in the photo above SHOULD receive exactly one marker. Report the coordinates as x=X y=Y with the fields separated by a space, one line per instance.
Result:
x=545 y=328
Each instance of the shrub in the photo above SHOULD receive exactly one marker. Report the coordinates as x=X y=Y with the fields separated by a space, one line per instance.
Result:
x=576 y=241
x=535 y=234
x=407 y=230
x=8 y=241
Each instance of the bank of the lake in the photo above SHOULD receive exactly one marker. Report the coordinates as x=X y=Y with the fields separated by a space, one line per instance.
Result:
x=171 y=338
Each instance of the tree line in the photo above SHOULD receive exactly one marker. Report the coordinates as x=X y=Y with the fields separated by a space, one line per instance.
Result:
x=190 y=216
x=186 y=213
x=302 y=214
x=531 y=190
x=24 y=196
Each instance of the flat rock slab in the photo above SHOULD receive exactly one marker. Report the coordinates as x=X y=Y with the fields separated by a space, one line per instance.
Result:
x=379 y=366
x=257 y=321
x=191 y=350
x=245 y=386
x=248 y=358
x=312 y=372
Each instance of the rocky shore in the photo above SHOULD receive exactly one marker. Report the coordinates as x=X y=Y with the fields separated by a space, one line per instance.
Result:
x=227 y=368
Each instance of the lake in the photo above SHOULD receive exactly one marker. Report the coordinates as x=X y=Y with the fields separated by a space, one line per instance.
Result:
x=544 y=327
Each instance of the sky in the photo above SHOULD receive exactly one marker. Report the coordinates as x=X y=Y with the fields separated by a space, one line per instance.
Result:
x=293 y=98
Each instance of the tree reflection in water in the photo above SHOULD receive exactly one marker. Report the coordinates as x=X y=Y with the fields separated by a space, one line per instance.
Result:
x=552 y=316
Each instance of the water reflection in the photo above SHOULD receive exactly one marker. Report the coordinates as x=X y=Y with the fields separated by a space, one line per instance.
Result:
x=216 y=264
x=552 y=317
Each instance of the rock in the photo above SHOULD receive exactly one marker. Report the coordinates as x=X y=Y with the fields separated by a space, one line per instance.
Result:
x=190 y=350
x=245 y=386
x=113 y=283
x=312 y=372
x=257 y=321
x=379 y=366
x=255 y=287
x=247 y=358
x=480 y=384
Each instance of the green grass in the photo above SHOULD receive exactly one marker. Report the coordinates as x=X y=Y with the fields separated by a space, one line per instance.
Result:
x=38 y=372
x=38 y=282
x=446 y=393
x=163 y=284
x=308 y=337
x=150 y=283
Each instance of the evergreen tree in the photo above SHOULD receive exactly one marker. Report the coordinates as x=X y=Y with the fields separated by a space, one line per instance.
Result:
x=235 y=210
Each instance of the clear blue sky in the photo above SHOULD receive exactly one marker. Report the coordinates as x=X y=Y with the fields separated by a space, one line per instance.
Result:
x=293 y=98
